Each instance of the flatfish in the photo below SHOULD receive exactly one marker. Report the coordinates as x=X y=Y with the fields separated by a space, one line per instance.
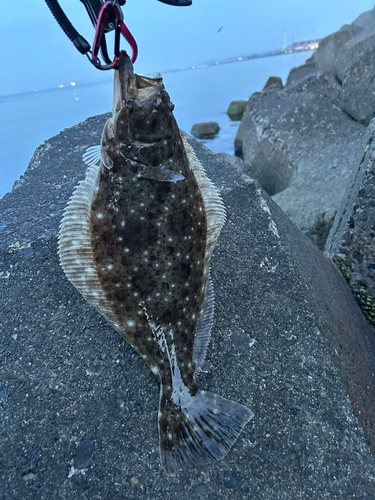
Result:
x=136 y=241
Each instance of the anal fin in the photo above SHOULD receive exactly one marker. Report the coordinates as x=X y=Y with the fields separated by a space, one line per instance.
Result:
x=203 y=326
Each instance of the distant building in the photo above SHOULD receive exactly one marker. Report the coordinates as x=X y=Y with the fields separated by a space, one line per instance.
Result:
x=305 y=45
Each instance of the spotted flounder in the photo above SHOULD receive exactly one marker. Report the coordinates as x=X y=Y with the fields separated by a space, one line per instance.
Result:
x=136 y=241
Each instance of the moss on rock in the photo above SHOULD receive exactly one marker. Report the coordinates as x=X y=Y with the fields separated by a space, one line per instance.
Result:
x=364 y=299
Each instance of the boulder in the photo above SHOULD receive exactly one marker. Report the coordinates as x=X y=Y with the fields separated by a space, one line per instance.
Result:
x=327 y=55
x=288 y=340
x=324 y=84
x=274 y=81
x=364 y=39
x=357 y=96
x=205 y=130
x=351 y=242
x=301 y=72
x=238 y=142
x=236 y=109
x=238 y=150
x=340 y=49
x=232 y=160
x=301 y=148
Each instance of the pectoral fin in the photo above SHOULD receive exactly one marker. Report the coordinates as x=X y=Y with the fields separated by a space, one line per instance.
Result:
x=160 y=174
x=92 y=156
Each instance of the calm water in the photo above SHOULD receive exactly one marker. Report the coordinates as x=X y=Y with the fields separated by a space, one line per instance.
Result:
x=199 y=95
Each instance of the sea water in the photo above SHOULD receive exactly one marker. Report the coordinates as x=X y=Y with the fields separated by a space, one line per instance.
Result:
x=201 y=94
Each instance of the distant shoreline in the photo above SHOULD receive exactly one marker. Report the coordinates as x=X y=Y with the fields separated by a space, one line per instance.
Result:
x=279 y=52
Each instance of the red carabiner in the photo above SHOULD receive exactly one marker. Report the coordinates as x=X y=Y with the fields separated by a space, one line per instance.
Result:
x=131 y=41
x=120 y=28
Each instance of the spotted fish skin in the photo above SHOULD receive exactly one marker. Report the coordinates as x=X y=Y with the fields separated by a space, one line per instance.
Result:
x=136 y=240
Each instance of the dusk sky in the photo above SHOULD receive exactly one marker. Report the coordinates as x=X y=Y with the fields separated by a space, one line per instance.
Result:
x=37 y=55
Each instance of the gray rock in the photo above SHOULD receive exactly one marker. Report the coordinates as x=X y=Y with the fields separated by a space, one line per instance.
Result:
x=205 y=130
x=83 y=454
x=312 y=349
x=340 y=49
x=238 y=147
x=233 y=160
x=301 y=72
x=358 y=98
x=238 y=150
x=301 y=149
x=327 y=55
x=236 y=109
x=352 y=238
x=319 y=83
x=274 y=81
x=95 y=367
x=364 y=39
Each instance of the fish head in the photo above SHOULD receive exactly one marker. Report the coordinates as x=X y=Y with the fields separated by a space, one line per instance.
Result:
x=142 y=112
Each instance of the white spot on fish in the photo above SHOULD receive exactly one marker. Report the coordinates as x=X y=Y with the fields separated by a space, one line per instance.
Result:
x=131 y=323
x=100 y=216
x=110 y=267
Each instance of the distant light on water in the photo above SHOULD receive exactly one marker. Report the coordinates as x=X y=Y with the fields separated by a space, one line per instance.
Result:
x=61 y=86
x=73 y=84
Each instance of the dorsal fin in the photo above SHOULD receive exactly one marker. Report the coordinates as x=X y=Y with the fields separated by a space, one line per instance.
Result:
x=215 y=210
x=75 y=250
x=215 y=213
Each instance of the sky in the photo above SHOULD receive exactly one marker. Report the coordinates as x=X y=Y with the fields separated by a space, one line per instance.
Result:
x=37 y=55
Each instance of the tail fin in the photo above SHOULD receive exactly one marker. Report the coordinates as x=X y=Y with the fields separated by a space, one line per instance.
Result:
x=200 y=431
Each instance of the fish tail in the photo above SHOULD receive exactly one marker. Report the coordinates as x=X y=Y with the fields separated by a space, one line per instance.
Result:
x=199 y=431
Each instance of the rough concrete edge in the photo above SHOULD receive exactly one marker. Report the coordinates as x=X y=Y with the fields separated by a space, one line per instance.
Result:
x=362 y=296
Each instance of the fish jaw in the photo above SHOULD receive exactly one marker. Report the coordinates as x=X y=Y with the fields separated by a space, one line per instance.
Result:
x=142 y=110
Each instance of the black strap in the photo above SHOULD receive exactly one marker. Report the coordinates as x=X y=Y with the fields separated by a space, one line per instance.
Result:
x=80 y=43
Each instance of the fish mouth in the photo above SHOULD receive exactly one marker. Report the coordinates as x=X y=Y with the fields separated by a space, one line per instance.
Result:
x=129 y=87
